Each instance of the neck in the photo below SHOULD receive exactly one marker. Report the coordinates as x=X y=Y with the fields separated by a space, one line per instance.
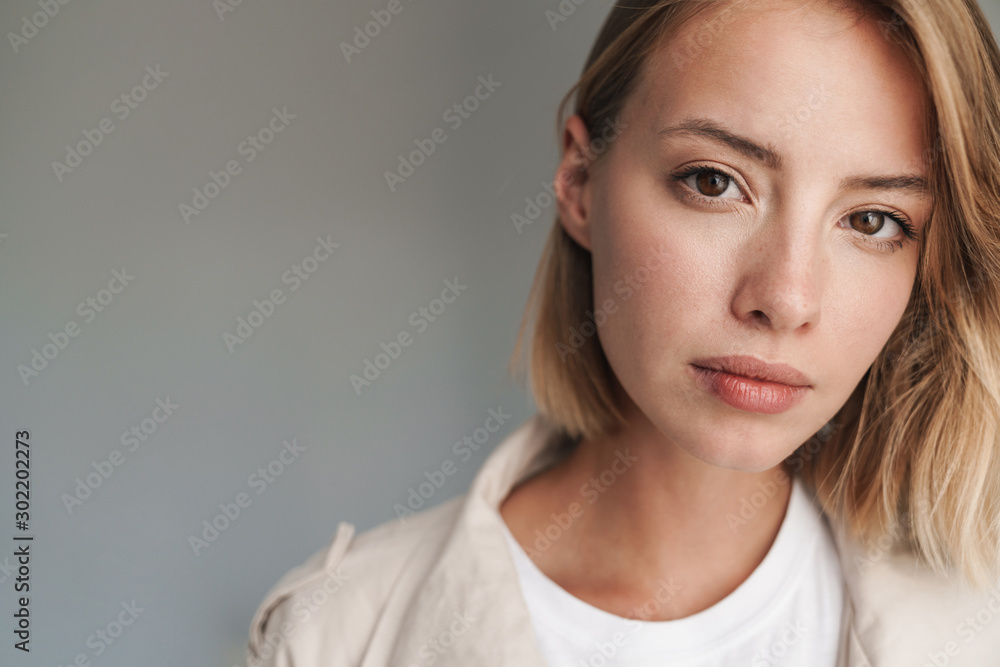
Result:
x=649 y=514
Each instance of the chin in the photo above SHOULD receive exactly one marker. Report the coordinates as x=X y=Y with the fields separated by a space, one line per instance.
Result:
x=714 y=438
x=740 y=454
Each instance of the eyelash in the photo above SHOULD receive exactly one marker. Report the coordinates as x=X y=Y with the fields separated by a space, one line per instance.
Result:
x=909 y=232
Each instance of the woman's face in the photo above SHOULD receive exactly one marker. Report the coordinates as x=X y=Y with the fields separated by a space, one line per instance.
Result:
x=745 y=209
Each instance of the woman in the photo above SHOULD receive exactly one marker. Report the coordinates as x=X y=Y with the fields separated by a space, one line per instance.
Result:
x=766 y=356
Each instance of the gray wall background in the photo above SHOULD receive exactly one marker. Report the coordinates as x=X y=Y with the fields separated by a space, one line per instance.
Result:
x=64 y=233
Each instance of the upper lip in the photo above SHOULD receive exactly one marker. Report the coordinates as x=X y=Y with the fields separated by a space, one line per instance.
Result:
x=755 y=369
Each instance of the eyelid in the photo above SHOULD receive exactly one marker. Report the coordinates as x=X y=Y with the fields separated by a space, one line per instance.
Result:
x=907 y=227
x=910 y=233
x=687 y=171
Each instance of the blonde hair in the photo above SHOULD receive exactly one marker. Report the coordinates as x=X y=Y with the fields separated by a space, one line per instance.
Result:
x=913 y=453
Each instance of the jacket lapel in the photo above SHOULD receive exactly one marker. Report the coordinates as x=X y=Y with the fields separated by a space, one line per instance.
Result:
x=469 y=610
x=905 y=613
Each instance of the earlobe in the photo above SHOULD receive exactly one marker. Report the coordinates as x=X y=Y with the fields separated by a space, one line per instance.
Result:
x=572 y=184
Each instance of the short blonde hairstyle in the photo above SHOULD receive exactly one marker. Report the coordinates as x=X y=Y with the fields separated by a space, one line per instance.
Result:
x=914 y=453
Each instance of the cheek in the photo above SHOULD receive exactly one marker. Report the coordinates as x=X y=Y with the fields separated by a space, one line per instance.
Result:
x=664 y=284
x=863 y=312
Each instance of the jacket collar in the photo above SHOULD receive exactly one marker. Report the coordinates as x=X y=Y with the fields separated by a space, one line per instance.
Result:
x=469 y=609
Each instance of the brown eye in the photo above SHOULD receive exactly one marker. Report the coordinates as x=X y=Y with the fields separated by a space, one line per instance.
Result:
x=707 y=185
x=868 y=222
x=712 y=183
x=873 y=220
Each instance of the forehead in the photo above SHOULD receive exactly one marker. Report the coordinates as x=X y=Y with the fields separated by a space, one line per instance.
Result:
x=805 y=77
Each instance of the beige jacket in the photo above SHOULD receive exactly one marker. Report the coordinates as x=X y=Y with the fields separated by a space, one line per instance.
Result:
x=439 y=587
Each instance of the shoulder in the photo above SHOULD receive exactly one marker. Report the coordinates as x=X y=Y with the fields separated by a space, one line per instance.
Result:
x=904 y=611
x=324 y=610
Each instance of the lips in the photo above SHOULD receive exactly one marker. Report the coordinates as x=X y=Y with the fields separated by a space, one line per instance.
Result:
x=753 y=368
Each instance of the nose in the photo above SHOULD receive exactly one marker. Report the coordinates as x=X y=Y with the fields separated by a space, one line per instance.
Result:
x=780 y=279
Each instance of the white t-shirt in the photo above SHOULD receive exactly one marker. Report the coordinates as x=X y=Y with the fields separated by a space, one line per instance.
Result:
x=787 y=612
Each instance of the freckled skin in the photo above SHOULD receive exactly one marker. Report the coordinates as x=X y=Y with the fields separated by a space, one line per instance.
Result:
x=778 y=267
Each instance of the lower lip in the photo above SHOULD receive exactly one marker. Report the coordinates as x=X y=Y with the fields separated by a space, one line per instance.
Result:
x=768 y=398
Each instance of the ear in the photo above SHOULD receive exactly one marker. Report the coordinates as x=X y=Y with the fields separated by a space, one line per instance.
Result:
x=572 y=184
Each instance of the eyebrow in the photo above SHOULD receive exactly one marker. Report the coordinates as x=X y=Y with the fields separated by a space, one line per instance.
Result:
x=769 y=157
